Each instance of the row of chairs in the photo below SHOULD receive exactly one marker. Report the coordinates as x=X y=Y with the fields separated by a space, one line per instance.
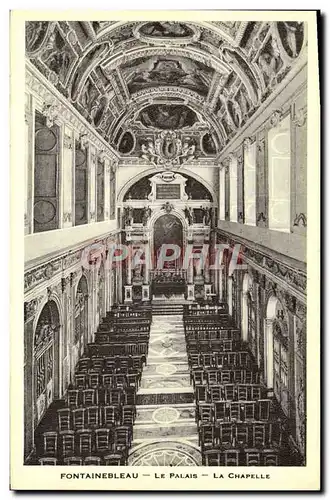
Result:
x=101 y=396
x=116 y=349
x=233 y=411
x=110 y=363
x=218 y=376
x=212 y=346
x=94 y=380
x=206 y=333
x=85 y=442
x=112 y=459
x=234 y=458
x=112 y=337
x=93 y=417
x=240 y=435
x=229 y=392
x=229 y=359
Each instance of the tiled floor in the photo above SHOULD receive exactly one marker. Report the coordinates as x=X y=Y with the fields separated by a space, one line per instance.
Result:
x=165 y=431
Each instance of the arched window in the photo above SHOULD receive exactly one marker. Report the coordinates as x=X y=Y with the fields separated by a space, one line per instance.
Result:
x=279 y=175
x=233 y=188
x=252 y=338
x=46 y=357
x=101 y=292
x=81 y=315
x=277 y=351
x=222 y=194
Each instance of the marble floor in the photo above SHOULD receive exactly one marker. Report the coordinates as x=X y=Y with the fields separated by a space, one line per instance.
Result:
x=165 y=431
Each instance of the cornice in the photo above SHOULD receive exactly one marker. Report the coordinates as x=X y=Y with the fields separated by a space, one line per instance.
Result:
x=47 y=94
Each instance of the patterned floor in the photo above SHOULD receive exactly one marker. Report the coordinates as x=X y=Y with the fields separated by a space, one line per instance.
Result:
x=165 y=431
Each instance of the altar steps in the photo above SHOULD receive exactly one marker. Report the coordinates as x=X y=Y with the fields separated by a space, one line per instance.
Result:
x=166 y=309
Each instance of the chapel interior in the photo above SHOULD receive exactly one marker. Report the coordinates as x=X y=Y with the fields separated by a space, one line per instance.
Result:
x=143 y=134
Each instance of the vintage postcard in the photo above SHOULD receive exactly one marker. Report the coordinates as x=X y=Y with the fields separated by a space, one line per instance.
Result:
x=165 y=250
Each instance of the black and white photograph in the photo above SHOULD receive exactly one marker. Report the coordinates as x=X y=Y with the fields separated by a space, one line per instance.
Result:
x=165 y=245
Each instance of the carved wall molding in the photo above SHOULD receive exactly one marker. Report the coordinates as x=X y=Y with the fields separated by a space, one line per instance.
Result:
x=67 y=217
x=31 y=308
x=275 y=118
x=288 y=278
x=67 y=141
x=300 y=117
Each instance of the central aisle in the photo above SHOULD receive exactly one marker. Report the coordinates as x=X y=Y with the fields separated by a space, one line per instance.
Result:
x=165 y=431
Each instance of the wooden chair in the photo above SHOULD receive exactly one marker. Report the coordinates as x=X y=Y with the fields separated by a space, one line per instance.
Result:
x=227 y=345
x=213 y=458
x=239 y=376
x=122 y=439
x=102 y=440
x=72 y=398
x=50 y=443
x=193 y=360
x=231 y=458
x=113 y=397
x=225 y=434
x=229 y=392
x=197 y=377
x=225 y=377
x=109 y=364
x=64 y=419
x=242 y=392
x=243 y=358
x=258 y=435
x=84 y=442
x=242 y=435
x=206 y=436
x=220 y=411
x=255 y=392
x=92 y=417
x=128 y=415
x=47 y=461
x=93 y=380
x=110 y=416
x=248 y=410
x=235 y=411
x=97 y=364
x=73 y=461
x=68 y=443
x=232 y=359
x=92 y=461
x=88 y=397
x=212 y=377
x=78 y=418
x=129 y=396
x=270 y=458
x=215 y=392
x=107 y=380
x=83 y=365
x=248 y=377
x=252 y=458
x=207 y=360
x=205 y=413
x=201 y=394
x=80 y=380
x=113 y=459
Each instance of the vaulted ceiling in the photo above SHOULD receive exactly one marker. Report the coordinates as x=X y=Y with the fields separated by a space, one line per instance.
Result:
x=131 y=80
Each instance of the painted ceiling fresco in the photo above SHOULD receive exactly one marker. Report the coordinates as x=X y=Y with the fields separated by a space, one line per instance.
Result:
x=167 y=116
x=134 y=80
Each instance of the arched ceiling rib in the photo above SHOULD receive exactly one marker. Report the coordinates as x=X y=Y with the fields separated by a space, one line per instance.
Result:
x=112 y=72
